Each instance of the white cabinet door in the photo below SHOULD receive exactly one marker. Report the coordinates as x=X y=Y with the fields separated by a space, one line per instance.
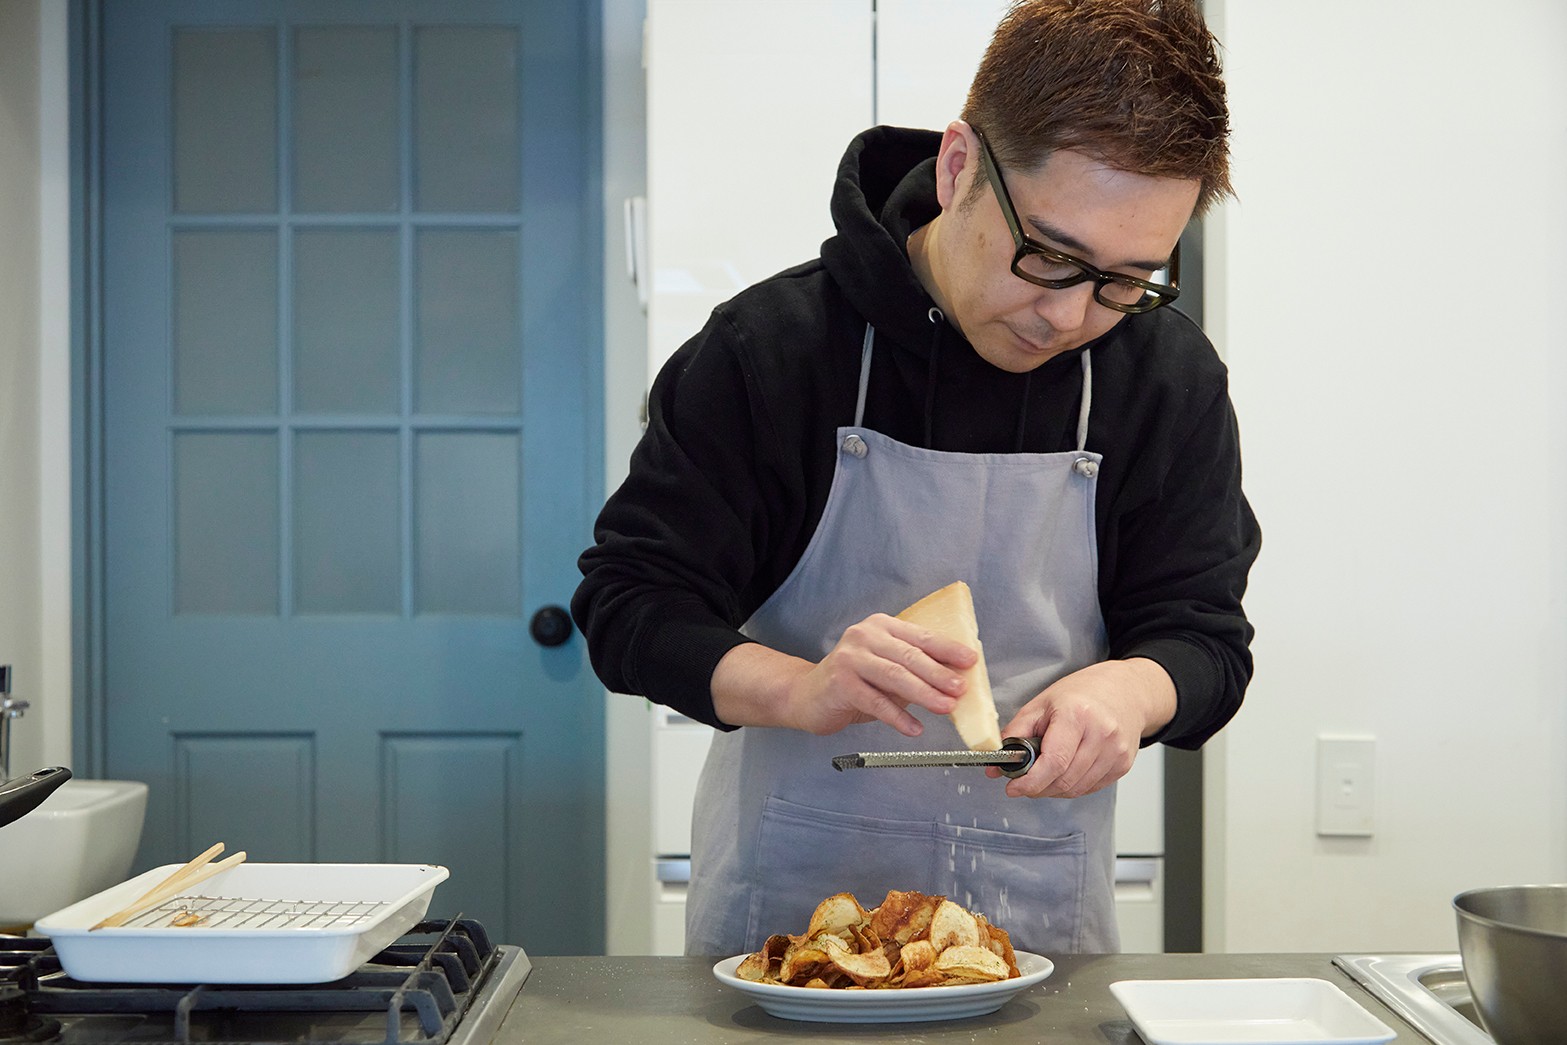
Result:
x=679 y=751
x=926 y=54
x=1139 y=806
x=1139 y=904
x=750 y=107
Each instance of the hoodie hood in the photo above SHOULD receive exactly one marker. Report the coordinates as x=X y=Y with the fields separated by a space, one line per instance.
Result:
x=886 y=188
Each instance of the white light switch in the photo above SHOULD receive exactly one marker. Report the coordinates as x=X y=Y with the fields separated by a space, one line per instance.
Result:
x=1346 y=777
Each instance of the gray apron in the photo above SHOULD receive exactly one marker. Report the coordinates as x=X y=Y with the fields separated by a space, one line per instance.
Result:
x=775 y=829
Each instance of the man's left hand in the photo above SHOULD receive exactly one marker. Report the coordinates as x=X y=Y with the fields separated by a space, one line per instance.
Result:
x=1091 y=724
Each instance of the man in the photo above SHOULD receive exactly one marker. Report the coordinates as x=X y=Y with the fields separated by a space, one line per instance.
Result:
x=976 y=381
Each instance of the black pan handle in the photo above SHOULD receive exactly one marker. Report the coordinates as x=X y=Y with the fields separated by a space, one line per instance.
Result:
x=21 y=796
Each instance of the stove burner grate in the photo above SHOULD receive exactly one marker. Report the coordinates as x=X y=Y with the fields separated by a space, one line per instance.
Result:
x=423 y=988
x=18 y=1024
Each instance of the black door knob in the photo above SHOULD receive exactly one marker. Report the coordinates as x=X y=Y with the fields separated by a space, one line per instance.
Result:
x=551 y=626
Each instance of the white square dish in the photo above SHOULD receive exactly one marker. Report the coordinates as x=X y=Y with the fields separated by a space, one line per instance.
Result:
x=253 y=923
x=1247 y=1012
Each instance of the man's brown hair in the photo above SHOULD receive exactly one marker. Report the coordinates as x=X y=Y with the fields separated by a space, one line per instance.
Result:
x=1136 y=84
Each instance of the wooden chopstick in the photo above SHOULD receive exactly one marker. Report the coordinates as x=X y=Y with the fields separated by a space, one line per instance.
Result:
x=197 y=870
x=181 y=873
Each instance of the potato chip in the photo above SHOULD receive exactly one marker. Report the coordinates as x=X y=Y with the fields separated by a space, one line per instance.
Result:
x=763 y=965
x=871 y=967
x=804 y=960
x=835 y=915
x=918 y=955
x=753 y=968
x=952 y=926
x=909 y=940
x=1000 y=943
x=929 y=978
x=971 y=964
x=904 y=916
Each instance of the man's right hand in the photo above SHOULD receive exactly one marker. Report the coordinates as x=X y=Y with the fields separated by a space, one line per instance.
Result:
x=878 y=668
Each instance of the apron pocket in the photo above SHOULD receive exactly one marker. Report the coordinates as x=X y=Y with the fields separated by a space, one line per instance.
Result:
x=1032 y=887
x=804 y=855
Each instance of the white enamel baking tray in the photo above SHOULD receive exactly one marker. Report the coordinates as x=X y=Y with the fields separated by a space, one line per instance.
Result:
x=254 y=923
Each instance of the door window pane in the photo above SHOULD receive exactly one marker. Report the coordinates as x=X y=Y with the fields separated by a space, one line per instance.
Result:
x=466 y=506
x=225 y=321
x=225 y=120
x=346 y=357
x=465 y=118
x=347 y=546
x=345 y=119
x=467 y=349
x=225 y=522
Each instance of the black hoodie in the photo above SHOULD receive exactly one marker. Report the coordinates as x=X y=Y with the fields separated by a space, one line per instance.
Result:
x=730 y=478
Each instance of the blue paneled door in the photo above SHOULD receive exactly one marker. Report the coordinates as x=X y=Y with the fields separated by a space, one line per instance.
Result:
x=350 y=400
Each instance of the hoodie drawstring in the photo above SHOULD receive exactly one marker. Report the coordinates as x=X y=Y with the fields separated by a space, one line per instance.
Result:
x=936 y=320
x=1022 y=413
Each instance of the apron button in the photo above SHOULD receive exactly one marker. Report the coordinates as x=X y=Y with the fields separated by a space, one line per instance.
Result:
x=855 y=445
x=1086 y=468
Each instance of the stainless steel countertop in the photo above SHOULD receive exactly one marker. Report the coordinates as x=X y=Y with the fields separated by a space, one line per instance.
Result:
x=663 y=1001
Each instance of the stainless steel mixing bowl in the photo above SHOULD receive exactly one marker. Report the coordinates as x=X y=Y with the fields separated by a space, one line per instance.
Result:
x=1513 y=940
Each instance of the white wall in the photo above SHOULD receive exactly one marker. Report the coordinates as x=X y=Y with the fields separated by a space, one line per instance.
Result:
x=1386 y=295
x=35 y=575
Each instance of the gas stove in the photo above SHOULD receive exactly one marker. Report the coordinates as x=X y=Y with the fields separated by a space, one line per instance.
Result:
x=443 y=983
x=1427 y=990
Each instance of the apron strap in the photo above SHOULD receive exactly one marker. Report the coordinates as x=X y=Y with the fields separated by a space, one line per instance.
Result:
x=865 y=375
x=1088 y=397
x=865 y=383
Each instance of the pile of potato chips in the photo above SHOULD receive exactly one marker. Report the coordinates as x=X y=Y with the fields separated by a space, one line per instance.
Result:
x=911 y=940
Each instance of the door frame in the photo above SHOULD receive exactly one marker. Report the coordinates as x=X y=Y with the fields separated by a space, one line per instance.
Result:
x=88 y=711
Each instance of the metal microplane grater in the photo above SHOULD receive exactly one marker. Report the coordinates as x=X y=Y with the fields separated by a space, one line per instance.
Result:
x=1016 y=756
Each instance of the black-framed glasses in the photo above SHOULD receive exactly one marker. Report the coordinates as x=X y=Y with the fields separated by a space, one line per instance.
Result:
x=1055 y=270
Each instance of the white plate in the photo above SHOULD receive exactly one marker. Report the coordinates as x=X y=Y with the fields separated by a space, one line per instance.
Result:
x=387 y=899
x=902 y=1005
x=1247 y=1012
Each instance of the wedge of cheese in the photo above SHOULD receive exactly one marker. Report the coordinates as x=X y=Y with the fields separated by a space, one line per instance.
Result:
x=950 y=612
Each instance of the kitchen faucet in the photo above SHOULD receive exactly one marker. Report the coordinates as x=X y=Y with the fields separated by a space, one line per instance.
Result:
x=9 y=709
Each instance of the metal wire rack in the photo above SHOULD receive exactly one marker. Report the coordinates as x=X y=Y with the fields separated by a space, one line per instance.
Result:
x=228 y=912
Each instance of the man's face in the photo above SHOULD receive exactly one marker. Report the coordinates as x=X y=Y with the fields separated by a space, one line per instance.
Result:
x=1116 y=221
